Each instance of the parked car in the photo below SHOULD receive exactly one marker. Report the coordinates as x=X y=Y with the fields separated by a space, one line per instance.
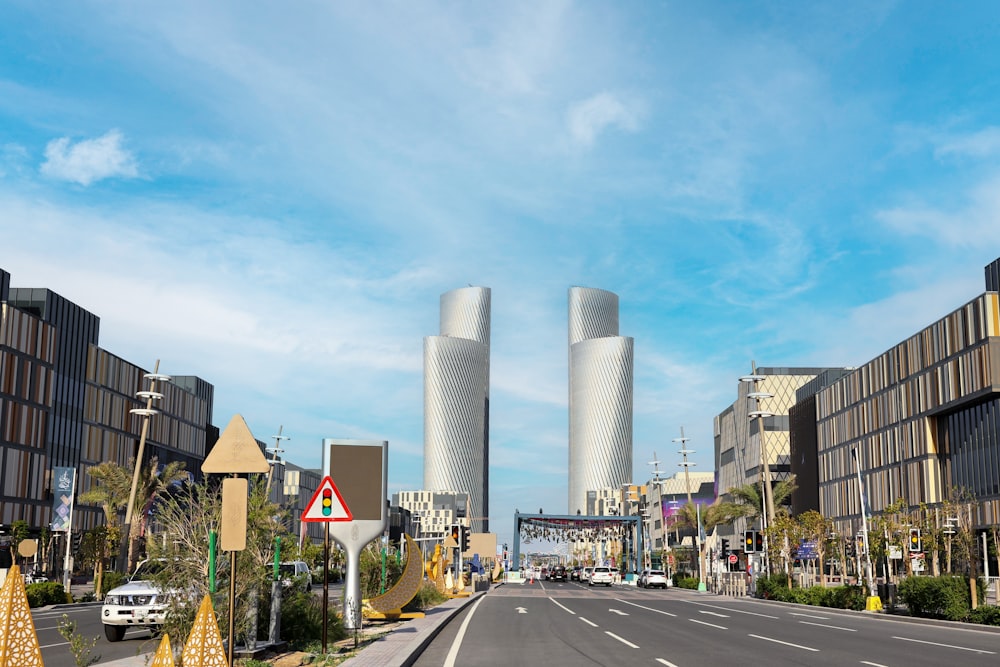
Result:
x=557 y=573
x=294 y=573
x=653 y=579
x=602 y=575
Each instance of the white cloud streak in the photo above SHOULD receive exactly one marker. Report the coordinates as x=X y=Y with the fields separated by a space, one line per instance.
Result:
x=89 y=160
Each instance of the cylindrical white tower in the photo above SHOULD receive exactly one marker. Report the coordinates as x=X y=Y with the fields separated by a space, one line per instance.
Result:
x=600 y=396
x=456 y=401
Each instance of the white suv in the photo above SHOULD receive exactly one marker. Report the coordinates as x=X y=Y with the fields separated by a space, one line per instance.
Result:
x=602 y=575
x=653 y=579
x=138 y=604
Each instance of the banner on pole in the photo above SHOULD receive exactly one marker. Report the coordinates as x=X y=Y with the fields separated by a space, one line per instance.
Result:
x=63 y=483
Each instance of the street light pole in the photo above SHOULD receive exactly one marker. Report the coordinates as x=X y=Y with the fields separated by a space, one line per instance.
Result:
x=146 y=413
x=684 y=451
x=276 y=452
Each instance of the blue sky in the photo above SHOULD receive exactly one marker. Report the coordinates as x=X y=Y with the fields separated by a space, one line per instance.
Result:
x=274 y=196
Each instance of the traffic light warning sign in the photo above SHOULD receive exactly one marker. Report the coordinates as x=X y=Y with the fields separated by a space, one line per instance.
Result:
x=327 y=504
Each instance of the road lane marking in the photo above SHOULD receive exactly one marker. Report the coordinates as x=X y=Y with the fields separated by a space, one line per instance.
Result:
x=822 y=618
x=665 y=662
x=713 y=625
x=618 y=611
x=778 y=641
x=873 y=664
x=713 y=613
x=590 y=623
x=960 y=648
x=521 y=610
x=735 y=611
x=51 y=645
x=623 y=641
x=457 y=643
x=824 y=625
x=564 y=608
x=658 y=611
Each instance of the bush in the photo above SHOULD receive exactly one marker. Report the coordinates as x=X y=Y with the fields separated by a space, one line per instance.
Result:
x=944 y=597
x=45 y=593
x=111 y=579
x=847 y=597
x=428 y=596
x=774 y=587
x=686 y=582
x=302 y=620
x=985 y=615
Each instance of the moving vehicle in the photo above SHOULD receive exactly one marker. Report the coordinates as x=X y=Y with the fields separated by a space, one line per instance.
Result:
x=138 y=603
x=557 y=573
x=294 y=573
x=602 y=575
x=574 y=574
x=653 y=579
x=585 y=575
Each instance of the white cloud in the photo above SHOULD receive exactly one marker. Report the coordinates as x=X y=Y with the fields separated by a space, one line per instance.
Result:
x=983 y=143
x=89 y=160
x=971 y=224
x=589 y=118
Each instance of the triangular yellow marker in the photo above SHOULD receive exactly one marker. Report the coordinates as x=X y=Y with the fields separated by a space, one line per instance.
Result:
x=18 y=640
x=204 y=645
x=164 y=655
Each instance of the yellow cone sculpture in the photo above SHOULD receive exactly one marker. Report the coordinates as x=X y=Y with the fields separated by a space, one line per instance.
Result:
x=18 y=641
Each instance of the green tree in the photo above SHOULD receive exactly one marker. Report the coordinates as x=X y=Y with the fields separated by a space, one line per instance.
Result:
x=153 y=482
x=110 y=491
x=817 y=528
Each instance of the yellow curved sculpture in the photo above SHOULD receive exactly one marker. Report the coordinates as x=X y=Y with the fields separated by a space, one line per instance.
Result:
x=390 y=604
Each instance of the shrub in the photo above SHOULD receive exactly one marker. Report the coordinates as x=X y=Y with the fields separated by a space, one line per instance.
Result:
x=944 y=597
x=847 y=597
x=774 y=587
x=45 y=593
x=302 y=620
x=428 y=596
x=985 y=615
x=111 y=579
x=686 y=582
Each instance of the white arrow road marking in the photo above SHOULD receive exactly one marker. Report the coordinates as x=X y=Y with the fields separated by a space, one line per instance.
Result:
x=619 y=612
x=712 y=613
x=521 y=610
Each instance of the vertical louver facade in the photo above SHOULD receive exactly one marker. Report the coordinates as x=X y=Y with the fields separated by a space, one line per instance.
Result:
x=600 y=396
x=456 y=401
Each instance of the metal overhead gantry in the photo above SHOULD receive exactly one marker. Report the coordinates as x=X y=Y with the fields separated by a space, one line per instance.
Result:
x=573 y=528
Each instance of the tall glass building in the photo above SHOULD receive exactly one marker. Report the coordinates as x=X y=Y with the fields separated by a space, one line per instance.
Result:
x=65 y=401
x=457 y=401
x=600 y=396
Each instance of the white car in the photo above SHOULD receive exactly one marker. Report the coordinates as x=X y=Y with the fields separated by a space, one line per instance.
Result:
x=293 y=573
x=138 y=603
x=653 y=579
x=585 y=574
x=602 y=575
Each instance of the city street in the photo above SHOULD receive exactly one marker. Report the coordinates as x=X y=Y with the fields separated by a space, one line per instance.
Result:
x=56 y=651
x=556 y=624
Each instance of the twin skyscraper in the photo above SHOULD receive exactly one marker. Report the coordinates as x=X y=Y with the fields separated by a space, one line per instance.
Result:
x=457 y=399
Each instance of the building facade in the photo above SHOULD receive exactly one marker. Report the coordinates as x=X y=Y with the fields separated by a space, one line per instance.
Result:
x=600 y=396
x=456 y=401
x=65 y=401
x=740 y=442
x=921 y=421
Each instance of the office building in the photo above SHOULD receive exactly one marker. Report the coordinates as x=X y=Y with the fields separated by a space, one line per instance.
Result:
x=456 y=401
x=600 y=396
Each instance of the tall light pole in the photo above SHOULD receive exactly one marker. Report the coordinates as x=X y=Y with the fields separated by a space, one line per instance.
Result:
x=765 y=465
x=146 y=412
x=275 y=459
x=684 y=451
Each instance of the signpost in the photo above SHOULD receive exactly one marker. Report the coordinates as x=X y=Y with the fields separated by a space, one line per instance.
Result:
x=323 y=507
x=359 y=472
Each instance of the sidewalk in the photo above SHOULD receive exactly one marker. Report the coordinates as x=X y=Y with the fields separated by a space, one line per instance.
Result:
x=399 y=646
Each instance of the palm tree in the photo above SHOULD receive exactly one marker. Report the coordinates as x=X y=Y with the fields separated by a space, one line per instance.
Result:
x=153 y=482
x=748 y=500
x=111 y=492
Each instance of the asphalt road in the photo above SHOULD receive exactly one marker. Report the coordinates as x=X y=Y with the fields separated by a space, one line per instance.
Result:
x=555 y=624
x=56 y=651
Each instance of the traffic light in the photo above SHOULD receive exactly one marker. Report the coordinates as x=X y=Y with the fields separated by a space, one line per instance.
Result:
x=916 y=545
x=456 y=533
x=758 y=537
x=749 y=541
x=465 y=539
x=327 y=500
x=725 y=547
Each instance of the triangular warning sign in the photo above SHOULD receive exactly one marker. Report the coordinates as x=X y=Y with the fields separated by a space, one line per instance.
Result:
x=327 y=504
